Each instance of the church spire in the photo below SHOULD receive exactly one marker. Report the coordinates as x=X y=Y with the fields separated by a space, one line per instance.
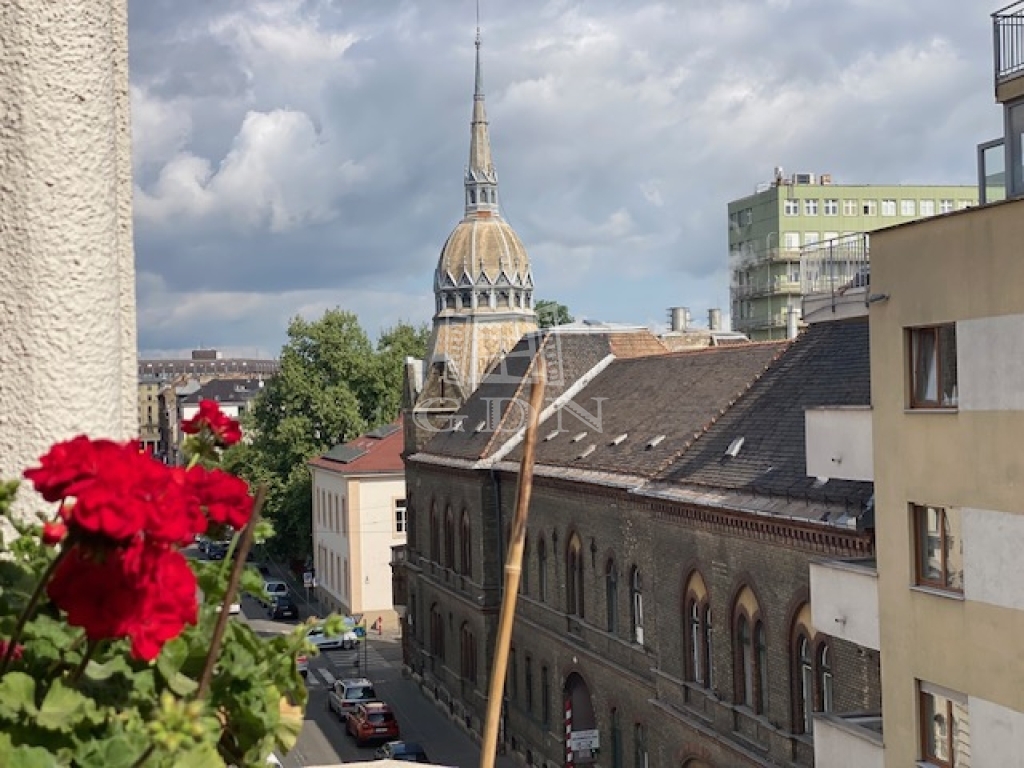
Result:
x=481 y=180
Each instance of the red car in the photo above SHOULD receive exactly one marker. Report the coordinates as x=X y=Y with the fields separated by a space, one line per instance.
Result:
x=372 y=721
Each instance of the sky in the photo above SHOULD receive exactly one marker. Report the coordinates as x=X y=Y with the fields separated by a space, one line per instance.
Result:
x=292 y=156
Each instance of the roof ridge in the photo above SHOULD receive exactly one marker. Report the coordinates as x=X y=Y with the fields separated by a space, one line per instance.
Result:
x=714 y=419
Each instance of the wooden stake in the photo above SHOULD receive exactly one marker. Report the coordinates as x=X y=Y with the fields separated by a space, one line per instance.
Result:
x=513 y=569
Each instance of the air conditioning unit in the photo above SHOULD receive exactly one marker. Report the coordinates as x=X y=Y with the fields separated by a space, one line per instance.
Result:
x=803 y=178
x=825 y=179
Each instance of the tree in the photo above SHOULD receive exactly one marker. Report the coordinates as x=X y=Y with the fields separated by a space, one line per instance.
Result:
x=551 y=313
x=333 y=386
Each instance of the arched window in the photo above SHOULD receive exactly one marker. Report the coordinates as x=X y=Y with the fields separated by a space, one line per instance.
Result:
x=762 y=668
x=524 y=575
x=436 y=633
x=435 y=535
x=745 y=652
x=574 y=577
x=805 y=700
x=805 y=667
x=611 y=594
x=449 y=538
x=542 y=570
x=825 y=677
x=465 y=547
x=747 y=681
x=640 y=757
x=545 y=697
x=529 y=684
x=709 y=635
x=697 y=637
x=636 y=602
x=616 y=740
x=467 y=666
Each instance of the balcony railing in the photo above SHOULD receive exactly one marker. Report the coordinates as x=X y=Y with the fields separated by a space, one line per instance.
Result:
x=778 y=284
x=835 y=266
x=1008 y=41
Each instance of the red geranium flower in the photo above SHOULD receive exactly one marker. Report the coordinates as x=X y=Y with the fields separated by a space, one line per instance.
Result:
x=15 y=654
x=54 y=533
x=224 y=429
x=225 y=497
x=70 y=465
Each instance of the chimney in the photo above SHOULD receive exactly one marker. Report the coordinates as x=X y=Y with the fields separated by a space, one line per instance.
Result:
x=791 y=322
x=715 y=319
x=679 y=318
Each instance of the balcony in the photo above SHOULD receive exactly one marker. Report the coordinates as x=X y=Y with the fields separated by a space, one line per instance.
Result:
x=838 y=442
x=844 y=600
x=848 y=741
x=1008 y=49
x=780 y=285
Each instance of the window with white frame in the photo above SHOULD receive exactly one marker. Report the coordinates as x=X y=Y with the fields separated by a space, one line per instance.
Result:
x=945 y=727
x=811 y=238
x=908 y=208
x=791 y=240
x=831 y=208
x=961 y=204
x=945 y=206
x=791 y=207
x=870 y=208
x=933 y=374
x=400 y=518
x=888 y=207
x=810 y=207
x=926 y=207
x=849 y=207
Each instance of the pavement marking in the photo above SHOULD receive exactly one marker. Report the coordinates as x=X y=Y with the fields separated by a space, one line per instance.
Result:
x=327 y=676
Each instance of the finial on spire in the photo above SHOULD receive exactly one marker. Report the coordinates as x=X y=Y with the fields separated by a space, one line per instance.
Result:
x=478 y=90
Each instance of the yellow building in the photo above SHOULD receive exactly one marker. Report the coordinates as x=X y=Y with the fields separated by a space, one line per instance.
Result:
x=947 y=360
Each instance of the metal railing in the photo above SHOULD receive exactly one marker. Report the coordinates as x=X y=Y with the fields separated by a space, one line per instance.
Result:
x=835 y=266
x=1008 y=41
x=778 y=284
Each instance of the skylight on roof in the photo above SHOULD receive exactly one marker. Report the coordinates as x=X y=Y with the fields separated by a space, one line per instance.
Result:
x=655 y=441
x=734 y=448
x=480 y=427
x=552 y=435
x=577 y=438
x=587 y=451
x=619 y=440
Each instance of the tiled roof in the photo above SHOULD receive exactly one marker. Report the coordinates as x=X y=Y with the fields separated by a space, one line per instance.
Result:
x=637 y=415
x=487 y=420
x=226 y=391
x=828 y=365
x=377 y=452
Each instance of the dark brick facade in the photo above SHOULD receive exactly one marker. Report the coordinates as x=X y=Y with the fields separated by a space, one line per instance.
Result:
x=647 y=685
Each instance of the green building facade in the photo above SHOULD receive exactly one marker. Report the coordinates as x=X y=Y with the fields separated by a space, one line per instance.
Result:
x=768 y=229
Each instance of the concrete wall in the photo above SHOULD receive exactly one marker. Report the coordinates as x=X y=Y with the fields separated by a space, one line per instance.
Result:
x=841 y=745
x=67 y=300
x=964 y=268
x=844 y=601
x=331 y=544
x=839 y=443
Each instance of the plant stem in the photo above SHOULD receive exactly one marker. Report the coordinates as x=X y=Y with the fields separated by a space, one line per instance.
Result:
x=90 y=651
x=236 y=574
x=74 y=644
x=144 y=756
x=33 y=601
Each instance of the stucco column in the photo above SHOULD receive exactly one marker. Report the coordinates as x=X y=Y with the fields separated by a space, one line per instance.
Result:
x=67 y=269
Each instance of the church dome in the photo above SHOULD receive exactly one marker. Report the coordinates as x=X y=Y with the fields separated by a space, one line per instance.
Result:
x=487 y=251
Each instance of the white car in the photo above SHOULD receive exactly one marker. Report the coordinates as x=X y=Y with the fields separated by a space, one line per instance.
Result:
x=273 y=587
x=324 y=642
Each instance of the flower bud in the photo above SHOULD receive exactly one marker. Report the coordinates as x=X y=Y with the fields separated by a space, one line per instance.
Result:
x=54 y=533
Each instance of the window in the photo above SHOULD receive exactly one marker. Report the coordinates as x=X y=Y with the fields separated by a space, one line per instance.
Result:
x=762 y=670
x=449 y=538
x=811 y=238
x=831 y=236
x=831 y=208
x=468 y=665
x=849 y=207
x=513 y=675
x=745 y=651
x=636 y=600
x=926 y=207
x=545 y=697
x=529 y=684
x=940 y=562
x=888 y=207
x=695 y=637
x=574 y=577
x=746 y=217
x=640 y=758
x=465 y=547
x=870 y=207
x=524 y=580
x=961 y=204
x=805 y=703
x=810 y=207
x=791 y=240
x=945 y=728
x=698 y=638
x=616 y=729
x=400 y=518
x=748 y=651
x=825 y=680
x=708 y=655
x=542 y=570
x=436 y=633
x=344 y=515
x=611 y=595
x=933 y=367
x=435 y=535
x=945 y=206
x=908 y=208
x=791 y=207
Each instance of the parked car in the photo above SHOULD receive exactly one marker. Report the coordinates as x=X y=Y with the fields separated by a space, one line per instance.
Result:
x=346 y=695
x=283 y=607
x=272 y=587
x=325 y=642
x=402 y=751
x=302 y=664
x=372 y=721
x=216 y=550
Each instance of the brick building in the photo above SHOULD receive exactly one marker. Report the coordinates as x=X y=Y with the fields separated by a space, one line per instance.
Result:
x=664 y=614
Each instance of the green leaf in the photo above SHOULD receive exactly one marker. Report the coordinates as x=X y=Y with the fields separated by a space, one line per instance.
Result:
x=116 y=752
x=105 y=671
x=63 y=708
x=202 y=756
x=17 y=695
x=181 y=684
x=172 y=658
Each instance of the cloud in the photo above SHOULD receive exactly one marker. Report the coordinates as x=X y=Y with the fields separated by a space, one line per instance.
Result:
x=292 y=151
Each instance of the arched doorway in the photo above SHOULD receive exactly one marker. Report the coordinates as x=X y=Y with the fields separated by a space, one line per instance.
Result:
x=582 y=739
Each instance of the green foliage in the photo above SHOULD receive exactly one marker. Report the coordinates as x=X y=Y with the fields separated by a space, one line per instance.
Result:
x=333 y=385
x=551 y=313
